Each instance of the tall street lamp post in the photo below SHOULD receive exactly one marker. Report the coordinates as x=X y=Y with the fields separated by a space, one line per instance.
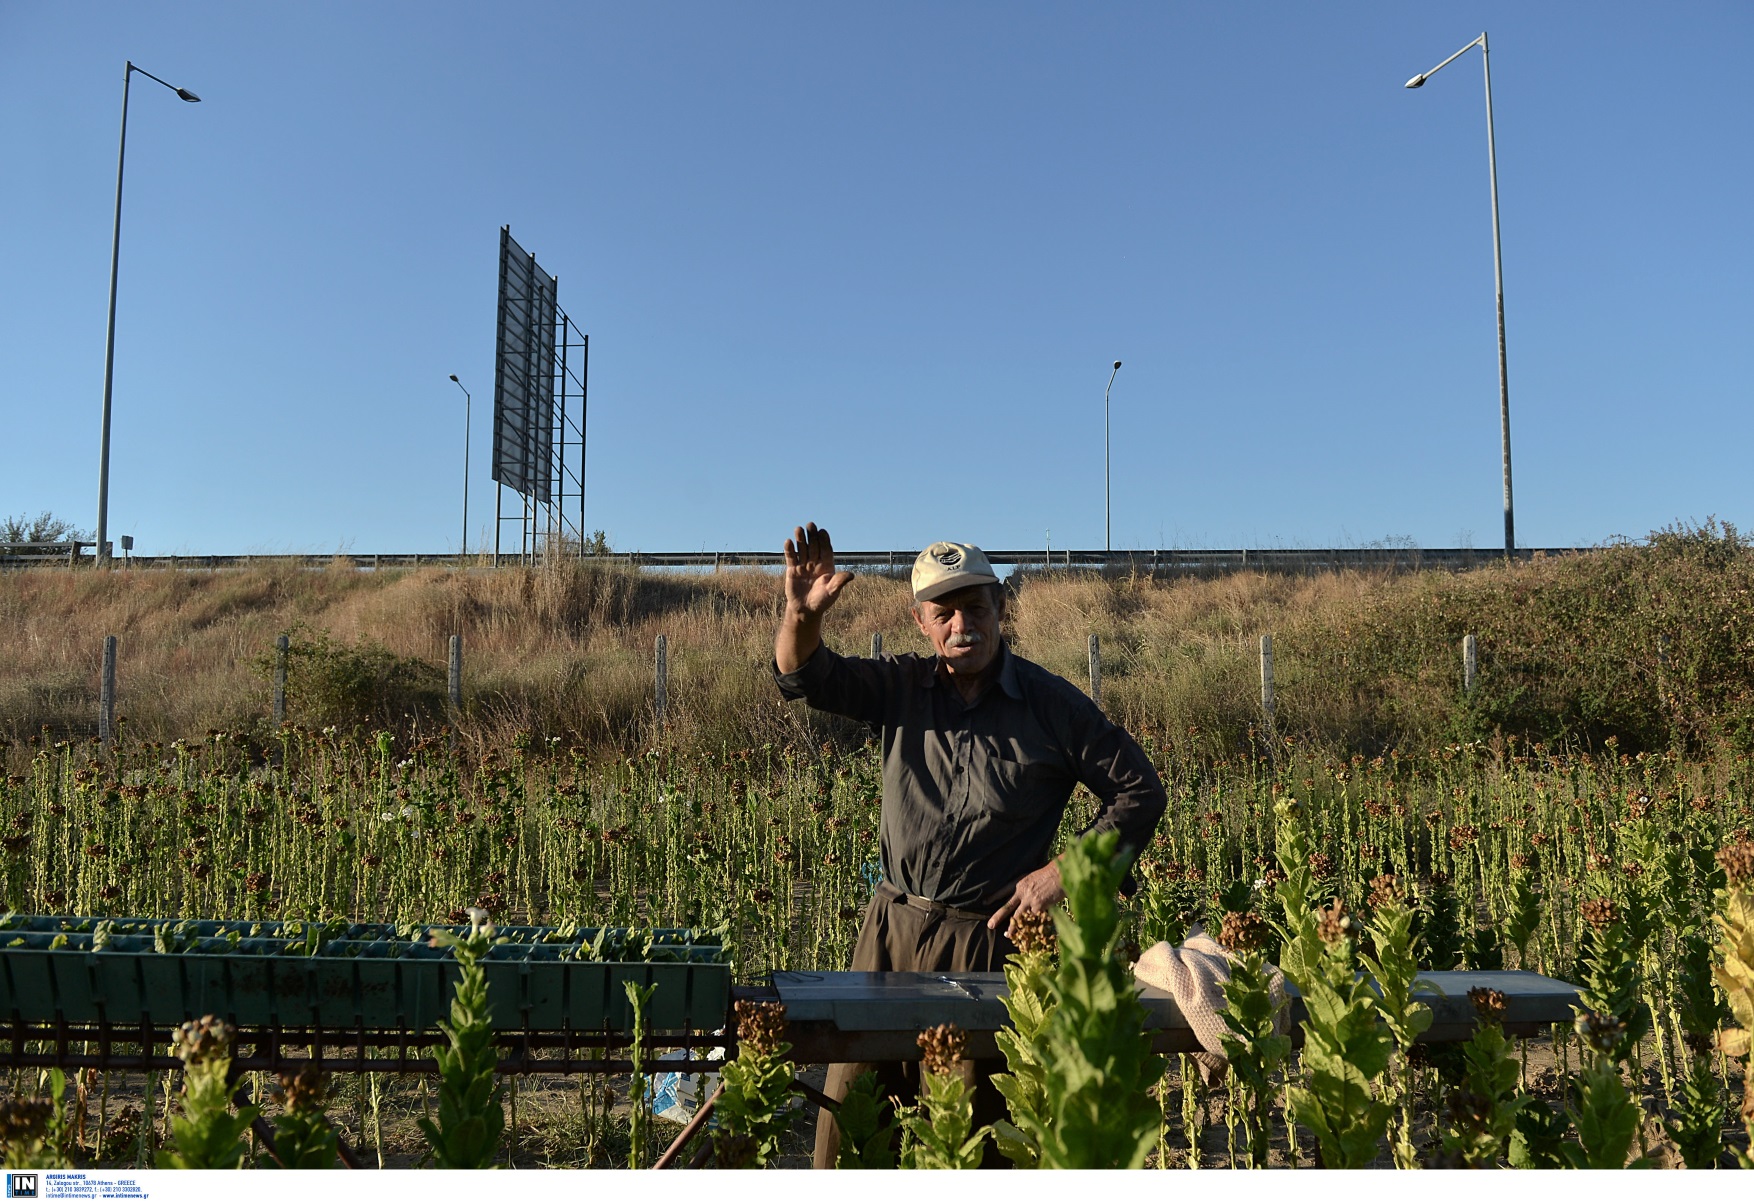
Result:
x=466 y=402
x=1418 y=81
x=1106 y=528
x=103 y=453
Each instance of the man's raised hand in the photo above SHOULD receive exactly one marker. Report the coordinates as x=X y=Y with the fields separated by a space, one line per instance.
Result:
x=812 y=583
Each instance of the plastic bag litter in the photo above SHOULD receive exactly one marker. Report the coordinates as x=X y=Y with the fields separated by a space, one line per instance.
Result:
x=675 y=1096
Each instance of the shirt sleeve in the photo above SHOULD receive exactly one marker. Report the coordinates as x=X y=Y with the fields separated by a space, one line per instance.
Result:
x=855 y=688
x=1115 y=767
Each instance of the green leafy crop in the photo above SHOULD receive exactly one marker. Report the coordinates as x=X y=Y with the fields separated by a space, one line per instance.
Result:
x=1096 y=1054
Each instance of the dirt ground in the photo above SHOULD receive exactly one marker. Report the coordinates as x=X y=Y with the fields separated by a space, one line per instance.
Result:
x=575 y=1122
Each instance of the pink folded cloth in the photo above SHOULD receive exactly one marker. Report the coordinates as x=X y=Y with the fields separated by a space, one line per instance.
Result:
x=1194 y=974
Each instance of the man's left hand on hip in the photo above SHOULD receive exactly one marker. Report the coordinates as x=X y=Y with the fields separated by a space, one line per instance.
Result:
x=1040 y=891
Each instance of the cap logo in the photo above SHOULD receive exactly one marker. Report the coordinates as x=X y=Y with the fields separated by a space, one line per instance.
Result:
x=949 y=556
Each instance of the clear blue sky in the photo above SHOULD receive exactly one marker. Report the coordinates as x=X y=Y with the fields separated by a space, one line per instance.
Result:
x=869 y=265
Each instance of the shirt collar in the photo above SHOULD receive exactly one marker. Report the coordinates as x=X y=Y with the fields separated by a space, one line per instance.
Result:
x=1007 y=673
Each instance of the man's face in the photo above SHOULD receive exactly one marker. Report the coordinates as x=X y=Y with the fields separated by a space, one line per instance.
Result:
x=963 y=627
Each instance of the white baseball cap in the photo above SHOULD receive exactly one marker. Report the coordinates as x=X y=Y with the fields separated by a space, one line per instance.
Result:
x=944 y=567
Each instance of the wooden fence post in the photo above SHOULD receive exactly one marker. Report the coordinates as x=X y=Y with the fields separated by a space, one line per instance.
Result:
x=106 y=700
x=1267 y=680
x=1095 y=670
x=877 y=646
x=282 y=645
x=661 y=696
x=1470 y=662
x=454 y=680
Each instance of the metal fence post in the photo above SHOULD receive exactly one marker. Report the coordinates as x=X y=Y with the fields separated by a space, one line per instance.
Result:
x=106 y=701
x=877 y=646
x=282 y=645
x=1095 y=669
x=661 y=695
x=1267 y=679
x=454 y=677
x=1470 y=662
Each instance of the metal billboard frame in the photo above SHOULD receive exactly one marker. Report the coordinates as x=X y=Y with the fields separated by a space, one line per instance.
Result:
x=541 y=363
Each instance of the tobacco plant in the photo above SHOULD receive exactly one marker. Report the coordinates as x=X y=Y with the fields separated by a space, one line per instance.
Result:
x=1095 y=1051
x=33 y=1130
x=303 y=1137
x=753 y=1110
x=1603 y=1112
x=1395 y=969
x=1697 y=1125
x=1345 y=1047
x=1611 y=986
x=867 y=1123
x=1254 y=1046
x=1523 y=921
x=207 y=1134
x=1029 y=1001
x=639 y=1130
x=1480 y=1114
x=941 y=1132
x=470 y=1119
x=1735 y=975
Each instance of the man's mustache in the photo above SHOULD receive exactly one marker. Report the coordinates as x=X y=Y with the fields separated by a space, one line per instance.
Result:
x=970 y=638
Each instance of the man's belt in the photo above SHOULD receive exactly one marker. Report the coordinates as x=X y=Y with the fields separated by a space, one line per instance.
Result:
x=890 y=892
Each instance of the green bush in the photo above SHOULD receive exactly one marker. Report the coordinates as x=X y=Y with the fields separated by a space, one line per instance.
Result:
x=330 y=683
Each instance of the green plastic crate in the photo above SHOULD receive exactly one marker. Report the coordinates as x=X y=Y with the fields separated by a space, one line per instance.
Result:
x=366 y=976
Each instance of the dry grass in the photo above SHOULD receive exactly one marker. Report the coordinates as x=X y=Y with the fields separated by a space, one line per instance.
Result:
x=1649 y=644
x=563 y=652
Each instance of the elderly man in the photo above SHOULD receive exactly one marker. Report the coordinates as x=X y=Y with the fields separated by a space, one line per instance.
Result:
x=981 y=750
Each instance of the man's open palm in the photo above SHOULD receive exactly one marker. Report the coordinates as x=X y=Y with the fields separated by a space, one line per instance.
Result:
x=812 y=583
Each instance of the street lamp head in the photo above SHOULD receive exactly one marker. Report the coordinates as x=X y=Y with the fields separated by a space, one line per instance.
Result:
x=455 y=380
x=186 y=94
x=1418 y=81
x=1117 y=364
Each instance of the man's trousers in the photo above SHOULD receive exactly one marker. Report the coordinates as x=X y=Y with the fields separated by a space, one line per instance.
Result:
x=908 y=934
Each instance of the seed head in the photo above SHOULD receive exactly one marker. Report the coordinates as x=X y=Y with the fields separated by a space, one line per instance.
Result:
x=1489 y=1003
x=1321 y=864
x=944 y=1047
x=1600 y=913
x=1463 y=836
x=1386 y=891
x=24 y=1120
x=1334 y=926
x=199 y=1041
x=1033 y=932
x=303 y=1091
x=1737 y=860
x=1602 y=1032
x=1521 y=862
x=1243 y=932
x=761 y=1025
